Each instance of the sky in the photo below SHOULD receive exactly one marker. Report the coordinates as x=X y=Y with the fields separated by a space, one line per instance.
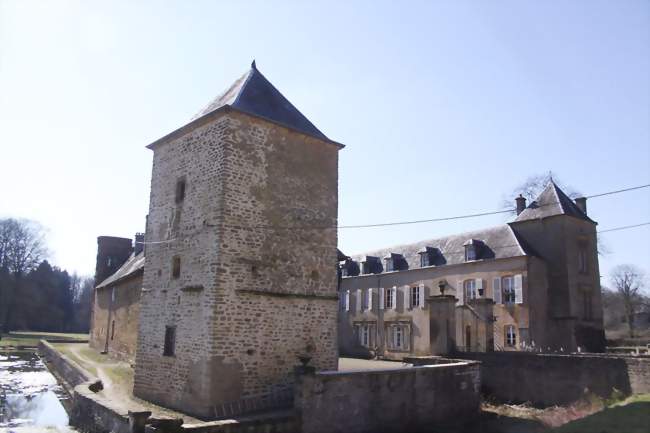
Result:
x=444 y=107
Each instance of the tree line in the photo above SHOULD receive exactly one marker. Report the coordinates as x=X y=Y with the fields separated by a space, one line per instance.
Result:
x=34 y=295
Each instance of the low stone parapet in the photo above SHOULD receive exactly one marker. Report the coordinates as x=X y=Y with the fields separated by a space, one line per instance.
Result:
x=423 y=398
x=550 y=379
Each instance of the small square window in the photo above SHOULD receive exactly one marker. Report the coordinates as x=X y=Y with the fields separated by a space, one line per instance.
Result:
x=180 y=190
x=176 y=267
x=170 y=341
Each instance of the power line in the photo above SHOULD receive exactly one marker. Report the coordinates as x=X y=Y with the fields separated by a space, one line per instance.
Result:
x=624 y=227
x=396 y=223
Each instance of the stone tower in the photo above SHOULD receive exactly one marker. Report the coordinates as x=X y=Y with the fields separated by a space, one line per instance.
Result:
x=559 y=231
x=240 y=274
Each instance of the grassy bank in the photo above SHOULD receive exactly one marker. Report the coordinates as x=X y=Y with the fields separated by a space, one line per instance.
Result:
x=30 y=339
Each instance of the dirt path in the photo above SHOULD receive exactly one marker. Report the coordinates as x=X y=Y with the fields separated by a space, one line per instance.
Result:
x=117 y=378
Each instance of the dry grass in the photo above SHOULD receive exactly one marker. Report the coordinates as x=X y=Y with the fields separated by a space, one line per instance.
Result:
x=31 y=339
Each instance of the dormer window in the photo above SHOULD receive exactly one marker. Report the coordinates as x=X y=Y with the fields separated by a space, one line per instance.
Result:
x=424 y=260
x=389 y=265
x=344 y=271
x=364 y=267
x=471 y=250
x=470 y=253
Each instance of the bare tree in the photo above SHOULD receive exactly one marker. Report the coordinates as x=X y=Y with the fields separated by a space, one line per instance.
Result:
x=628 y=280
x=532 y=187
x=22 y=248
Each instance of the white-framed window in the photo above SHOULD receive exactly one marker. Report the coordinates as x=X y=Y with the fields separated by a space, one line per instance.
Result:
x=366 y=333
x=470 y=253
x=416 y=297
x=508 y=288
x=346 y=300
x=469 y=287
x=389 y=265
x=344 y=271
x=391 y=298
x=367 y=300
x=398 y=336
x=582 y=259
x=511 y=336
x=424 y=260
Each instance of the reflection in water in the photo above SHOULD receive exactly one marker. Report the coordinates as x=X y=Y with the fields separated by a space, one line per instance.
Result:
x=29 y=394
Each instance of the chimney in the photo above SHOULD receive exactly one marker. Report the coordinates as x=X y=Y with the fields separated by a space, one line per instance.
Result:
x=138 y=245
x=521 y=203
x=581 y=202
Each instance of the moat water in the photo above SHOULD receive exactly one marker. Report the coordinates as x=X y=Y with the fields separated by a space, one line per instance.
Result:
x=30 y=397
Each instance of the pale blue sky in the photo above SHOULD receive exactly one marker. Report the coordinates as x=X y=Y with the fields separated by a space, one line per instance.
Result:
x=444 y=106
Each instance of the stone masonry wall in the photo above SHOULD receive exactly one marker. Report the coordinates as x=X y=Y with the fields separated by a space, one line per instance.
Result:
x=426 y=398
x=116 y=321
x=249 y=298
x=547 y=380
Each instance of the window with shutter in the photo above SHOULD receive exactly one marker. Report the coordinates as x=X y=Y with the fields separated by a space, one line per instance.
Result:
x=519 y=292
x=496 y=290
x=369 y=300
x=479 y=287
x=405 y=293
x=381 y=298
x=508 y=285
x=422 y=296
x=359 y=300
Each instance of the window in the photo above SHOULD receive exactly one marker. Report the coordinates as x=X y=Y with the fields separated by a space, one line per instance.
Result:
x=511 y=336
x=424 y=260
x=389 y=265
x=344 y=301
x=416 y=297
x=582 y=260
x=176 y=267
x=180 y=190
x=109 y=261
x=470 y=253
x=113 y=295
x=587 y=305
x=364 y=268
x=391 y=298
x=364 y=335
x=398 y=337
x=170 y=341
x=113 y=329
x=470 y=289
x=508 y=286
x=344 y=271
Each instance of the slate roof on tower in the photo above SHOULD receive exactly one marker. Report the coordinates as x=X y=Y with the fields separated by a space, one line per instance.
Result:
x=552 y=201
x=252 y=93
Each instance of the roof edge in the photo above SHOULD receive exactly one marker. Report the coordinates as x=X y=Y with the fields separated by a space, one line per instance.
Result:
x=128 y=276
x=206 y=118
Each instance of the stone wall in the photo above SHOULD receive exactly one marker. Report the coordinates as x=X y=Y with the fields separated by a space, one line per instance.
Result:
x=426 y=398
x=115 y=321
x=254 y=291
x=547 y=380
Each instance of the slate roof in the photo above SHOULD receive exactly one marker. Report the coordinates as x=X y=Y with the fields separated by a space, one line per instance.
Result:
x=252 y=93
x=133 y=265
x=552 y=201
x=495 y=243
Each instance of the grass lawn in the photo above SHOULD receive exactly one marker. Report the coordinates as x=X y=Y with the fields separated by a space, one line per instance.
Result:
x=30 y=339
x=631 y=415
